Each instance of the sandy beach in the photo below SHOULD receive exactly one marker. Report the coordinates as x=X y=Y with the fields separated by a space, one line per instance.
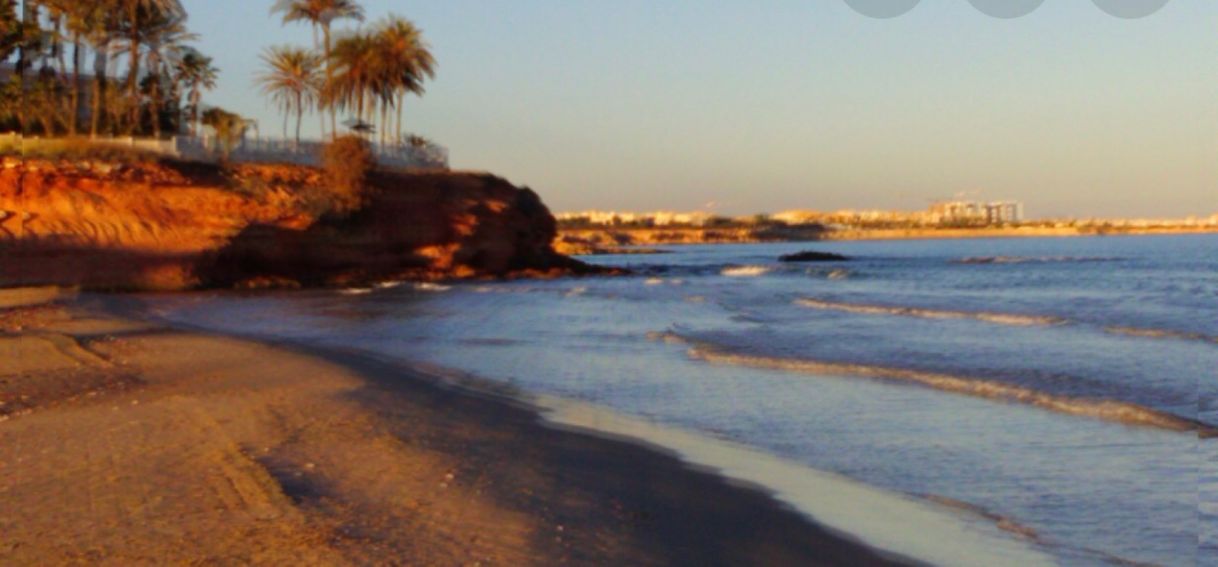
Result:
x=126 y=442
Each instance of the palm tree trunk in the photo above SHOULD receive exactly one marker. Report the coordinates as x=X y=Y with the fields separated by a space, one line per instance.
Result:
x=299 y=116
x=398 y=131
x=133 y=77
x=100 y=64
x=195 y=97
x=57 y=47
x=325 y=32
x=78 y=56
x=316 y=41
x=155 y=103
x=29 y=17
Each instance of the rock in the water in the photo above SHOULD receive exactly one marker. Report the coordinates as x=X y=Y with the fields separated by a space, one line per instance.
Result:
x=812 y=256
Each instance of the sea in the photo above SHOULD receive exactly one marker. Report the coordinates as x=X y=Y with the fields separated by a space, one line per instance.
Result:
x=959 y=402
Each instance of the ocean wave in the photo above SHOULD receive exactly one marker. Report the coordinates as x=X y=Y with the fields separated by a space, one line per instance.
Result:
x=745 y=271
x=1160 y=334
x=1004 y=523
x=1108 y=410
x=428 y=286
x=1032 y=259
x=662 y=281
x=870 y=309
x=355 y=291
x=1012 y=526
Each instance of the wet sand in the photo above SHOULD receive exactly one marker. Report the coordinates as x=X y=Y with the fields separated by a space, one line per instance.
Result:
x=123 y=442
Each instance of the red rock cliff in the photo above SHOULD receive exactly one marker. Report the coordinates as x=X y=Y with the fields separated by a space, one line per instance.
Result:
x=171 y=227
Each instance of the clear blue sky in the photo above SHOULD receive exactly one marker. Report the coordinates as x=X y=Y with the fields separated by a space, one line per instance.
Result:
x=643 y=104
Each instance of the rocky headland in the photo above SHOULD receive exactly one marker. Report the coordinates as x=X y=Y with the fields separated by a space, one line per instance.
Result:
x=175 y=226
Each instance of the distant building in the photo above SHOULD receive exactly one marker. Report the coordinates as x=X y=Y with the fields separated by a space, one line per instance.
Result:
x=1004 y=212
x=617 y=218
x=798 y=217
x=997 y=212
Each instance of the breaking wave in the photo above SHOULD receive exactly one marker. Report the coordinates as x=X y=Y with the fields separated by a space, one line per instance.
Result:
x=429 y=286
x=1108 y=410
x=745 y=271
x=1160 y=334
x=869 y=309
x=999 y=318
x=1004 y=523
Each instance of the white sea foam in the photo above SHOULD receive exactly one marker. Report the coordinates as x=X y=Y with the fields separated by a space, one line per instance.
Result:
x=745 y=271
x=429 y=286
x=1109 y=410
x=356 y=291
x=868 y=309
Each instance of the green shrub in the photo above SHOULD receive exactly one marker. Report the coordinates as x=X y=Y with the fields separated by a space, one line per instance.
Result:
x=347 y=162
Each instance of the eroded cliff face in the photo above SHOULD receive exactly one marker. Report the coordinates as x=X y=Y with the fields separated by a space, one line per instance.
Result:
x=180 y=226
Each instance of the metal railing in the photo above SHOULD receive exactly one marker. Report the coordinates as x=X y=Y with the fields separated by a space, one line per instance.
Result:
x=207 y=149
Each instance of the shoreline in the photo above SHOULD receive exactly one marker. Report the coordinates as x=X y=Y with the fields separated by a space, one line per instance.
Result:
x=879 y=519
x=227 y=449
x=610 y=241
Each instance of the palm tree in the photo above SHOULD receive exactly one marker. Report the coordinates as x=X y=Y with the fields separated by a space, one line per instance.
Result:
x=163 y=46
x=10 y=29
x=320 y=14
x=228 y=127
x=99 y=33
x=44 y=100
x=29 y=48
x=407 y=60
x=356 y=74
x=195 y=73
x=81 y=20
x=292 y=79
x=138 y=13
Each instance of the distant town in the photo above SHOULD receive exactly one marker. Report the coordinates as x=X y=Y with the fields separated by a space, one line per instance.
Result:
x=941 y=214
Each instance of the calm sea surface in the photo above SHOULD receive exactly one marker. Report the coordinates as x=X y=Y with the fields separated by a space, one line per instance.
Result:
x=1054 y=388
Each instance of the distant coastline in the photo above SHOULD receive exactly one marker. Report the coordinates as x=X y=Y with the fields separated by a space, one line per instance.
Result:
x=606 y=240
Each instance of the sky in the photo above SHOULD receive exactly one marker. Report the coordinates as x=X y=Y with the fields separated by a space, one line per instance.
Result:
x=744 y=107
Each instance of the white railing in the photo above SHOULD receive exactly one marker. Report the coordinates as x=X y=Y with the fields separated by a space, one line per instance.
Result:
x=207 y=149
x=33 y=143
x=420 y=156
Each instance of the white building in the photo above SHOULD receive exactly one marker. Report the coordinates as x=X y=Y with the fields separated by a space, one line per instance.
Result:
x=975 y=211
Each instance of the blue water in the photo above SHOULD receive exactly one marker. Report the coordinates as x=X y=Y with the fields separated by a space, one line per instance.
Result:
x=882 y=368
